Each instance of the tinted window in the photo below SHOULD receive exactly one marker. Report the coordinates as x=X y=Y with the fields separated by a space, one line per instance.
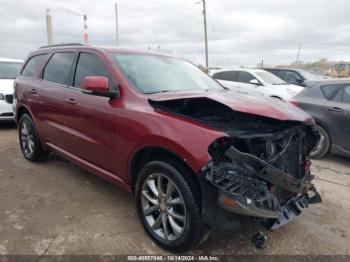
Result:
x=229 y=76
x=245 y=77
x=58 y=68
x=346 y=95
x=90 y=65
x=9 y=70
x=32 y=65
x=217 y=75
x=292 y=77
x=337 y=96
x=329 y=90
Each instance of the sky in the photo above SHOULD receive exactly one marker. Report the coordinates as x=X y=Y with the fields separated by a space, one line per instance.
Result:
x=240 y=32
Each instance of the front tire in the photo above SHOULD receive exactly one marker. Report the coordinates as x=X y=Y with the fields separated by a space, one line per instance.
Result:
x=323 y=145
x=29 y=139
x=168 y=207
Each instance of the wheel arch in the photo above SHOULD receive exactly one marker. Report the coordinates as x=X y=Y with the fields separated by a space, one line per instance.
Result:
x=324 y=126
x=150 y=153
x=21 y=111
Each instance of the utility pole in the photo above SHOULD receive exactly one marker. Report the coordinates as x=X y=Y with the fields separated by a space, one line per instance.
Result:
x=205 y=35
x=298 y=54
x=49 y=27
x=86 y=33
x=116 y=24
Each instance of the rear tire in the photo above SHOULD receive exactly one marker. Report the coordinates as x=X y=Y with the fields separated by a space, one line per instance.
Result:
x=173 y=221
x=29 y=140
x=323 y=146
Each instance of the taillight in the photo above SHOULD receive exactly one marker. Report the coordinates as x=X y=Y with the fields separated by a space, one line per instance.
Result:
x=294 y=102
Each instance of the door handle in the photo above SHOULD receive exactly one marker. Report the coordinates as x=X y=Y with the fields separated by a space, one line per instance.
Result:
x=33 y=91
x=335 y=109
x=71 y=101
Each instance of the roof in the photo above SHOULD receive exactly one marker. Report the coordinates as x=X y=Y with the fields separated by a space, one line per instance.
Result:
x=10 y=60
x=101 y=48
x=331 y=81
x=254 y=70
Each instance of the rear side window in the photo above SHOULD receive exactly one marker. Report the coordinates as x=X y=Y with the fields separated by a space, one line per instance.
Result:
x=229 y=76
x=329 y=90
x=58 y=68
x=32 y=65
x=90 y=65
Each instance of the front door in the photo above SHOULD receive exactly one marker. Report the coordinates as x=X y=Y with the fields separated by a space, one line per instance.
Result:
x=91 y=119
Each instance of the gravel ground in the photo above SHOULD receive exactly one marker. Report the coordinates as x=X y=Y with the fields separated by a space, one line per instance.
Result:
x=57 y=208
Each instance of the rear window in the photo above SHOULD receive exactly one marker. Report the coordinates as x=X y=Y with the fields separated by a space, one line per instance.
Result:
x=9 y=70
x=58 y=68
x=32 y=65
x=328 y=91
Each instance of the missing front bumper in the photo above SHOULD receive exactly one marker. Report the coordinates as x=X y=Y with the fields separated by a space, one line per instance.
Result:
x=242 y=190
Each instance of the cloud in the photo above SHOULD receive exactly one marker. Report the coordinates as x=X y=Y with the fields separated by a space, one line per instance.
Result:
x=240 y=32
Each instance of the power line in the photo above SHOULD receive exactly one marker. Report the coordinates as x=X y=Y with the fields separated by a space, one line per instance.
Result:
x=160 y=22
x=166 y=4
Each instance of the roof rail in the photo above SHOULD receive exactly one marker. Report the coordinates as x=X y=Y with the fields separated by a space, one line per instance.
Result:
x=58 y=45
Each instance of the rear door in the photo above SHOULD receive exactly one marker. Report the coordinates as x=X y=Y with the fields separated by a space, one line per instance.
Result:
x=91 y=121
x=47 y=93
x=337 y=114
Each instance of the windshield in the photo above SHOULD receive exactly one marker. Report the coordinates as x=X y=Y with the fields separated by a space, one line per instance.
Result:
x=9 y=70
x=270 y=78
x=154 y=74
x=310 y=76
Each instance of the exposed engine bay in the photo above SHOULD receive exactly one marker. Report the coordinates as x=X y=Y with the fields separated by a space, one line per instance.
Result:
x=263 y=164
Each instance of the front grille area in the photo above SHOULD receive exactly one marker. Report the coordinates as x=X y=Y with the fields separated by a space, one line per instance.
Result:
x=9 y=99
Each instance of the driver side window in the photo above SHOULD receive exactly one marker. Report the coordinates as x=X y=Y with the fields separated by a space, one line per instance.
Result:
x=90 y=65
x=245 y=77
x=292 y=77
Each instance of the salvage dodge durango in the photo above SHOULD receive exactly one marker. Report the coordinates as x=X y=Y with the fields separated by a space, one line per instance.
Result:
x=198 y=158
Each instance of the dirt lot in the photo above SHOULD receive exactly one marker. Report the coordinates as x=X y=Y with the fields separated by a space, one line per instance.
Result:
x=56 y=208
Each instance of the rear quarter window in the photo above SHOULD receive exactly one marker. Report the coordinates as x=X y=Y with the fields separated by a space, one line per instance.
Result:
x=32 y=65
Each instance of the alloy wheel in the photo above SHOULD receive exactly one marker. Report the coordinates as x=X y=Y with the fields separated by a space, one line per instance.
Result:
x=27 y=139
x=163 y=207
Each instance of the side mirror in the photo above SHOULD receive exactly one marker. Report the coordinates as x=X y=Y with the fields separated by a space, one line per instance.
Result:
x=98 y=86
x=254 y=82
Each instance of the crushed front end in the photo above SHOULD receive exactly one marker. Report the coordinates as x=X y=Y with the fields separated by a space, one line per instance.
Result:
x=264 y=174
x=261 y=168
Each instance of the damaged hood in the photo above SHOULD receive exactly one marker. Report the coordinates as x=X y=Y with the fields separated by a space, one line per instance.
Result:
x=246 y=103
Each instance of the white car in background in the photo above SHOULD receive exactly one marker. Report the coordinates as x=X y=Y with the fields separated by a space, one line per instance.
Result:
x=256 y=80
x=9 y=70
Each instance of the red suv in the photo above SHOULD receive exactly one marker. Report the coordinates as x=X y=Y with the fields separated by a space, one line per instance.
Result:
x=197 y=158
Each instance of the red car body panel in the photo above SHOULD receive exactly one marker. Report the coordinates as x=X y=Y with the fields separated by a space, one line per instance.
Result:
x=103 y=135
